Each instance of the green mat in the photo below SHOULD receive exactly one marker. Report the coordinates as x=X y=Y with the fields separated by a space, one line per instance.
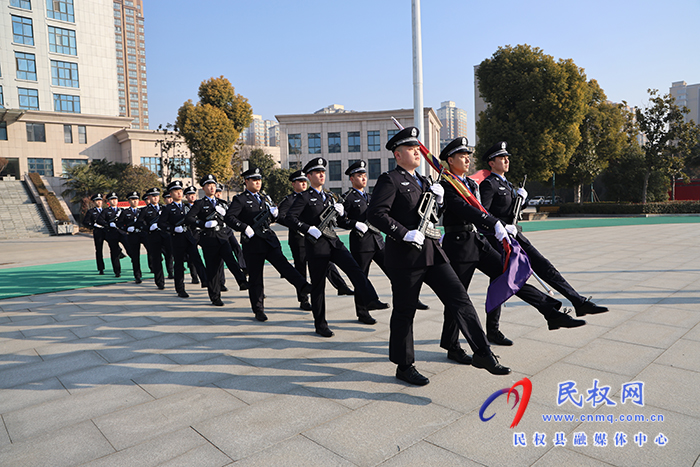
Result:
x=30 y=280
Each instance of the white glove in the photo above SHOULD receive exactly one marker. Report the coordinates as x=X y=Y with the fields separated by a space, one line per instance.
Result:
x=511 y=229
x=274 y=211
x=211 y=224
x=361 y=226
x=339 y=207
x=130 y=229
x=314 y=232
x=154 y=226
x=179 y=229
x=501 y=232
x=522 y=192
x=414 y=236
x=439 y=192
x=220 y=209
x=113 y=225
x=249 y=231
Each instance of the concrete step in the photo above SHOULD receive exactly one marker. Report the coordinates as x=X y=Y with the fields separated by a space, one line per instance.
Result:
x=19 y=216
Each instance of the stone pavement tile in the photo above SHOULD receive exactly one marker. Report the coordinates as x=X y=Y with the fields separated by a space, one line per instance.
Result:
x=681 y=431
x=360 y=385
x=216 y=346
x=114 y=373
x=12 y=304
x=136 y=424
x=280 y=347
x=241 y=433
x=156 y=344
x=42 y=370
x=377 y=431
x=297 y=451
x=21 y=357
x=687 y=300
x=491 y=443
x=282 y=378
x=167 y=449
x=685 y=353
x=4 y=437
x=647 y=334
x=517 y=311
x=424 y=454
x=177 y=378
x=55 y=415
x=671 y=388
x=30 y=319
x=669 y=280
x=161 y=326
x=613 y=318
x=349 y=355
x=30 y=394
x=97 y=342
x=569 y=337
x=563 y=456
x=61 y=311
x=694 y=333
x=73 y=445
x=49 y=332
x=545 y=384
x=615 y=357
x=530 y=356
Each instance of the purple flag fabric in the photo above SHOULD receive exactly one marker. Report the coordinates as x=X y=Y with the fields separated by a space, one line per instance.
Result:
x=509 y=283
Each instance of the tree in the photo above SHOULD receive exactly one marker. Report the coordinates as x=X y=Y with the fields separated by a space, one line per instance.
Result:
x=211 y=127
x=171 y=165
x=669 y=139
x=624 y=177
x=85 y=180
x=278 y=185
x=602 y=139
x=137 y=178
x=536 y=104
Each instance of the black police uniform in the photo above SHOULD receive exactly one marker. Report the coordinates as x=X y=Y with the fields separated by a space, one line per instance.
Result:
x=304 y=213
x=394 y=210
x=263 y=245
x=149 y=216
x=98 y=234
x=127 y=222
x=171 y=217
x=114 y=236
x=194 y=259
x=369 y=246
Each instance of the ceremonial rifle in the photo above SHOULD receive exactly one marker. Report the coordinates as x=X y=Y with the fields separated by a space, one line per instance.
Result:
x=428 y=215
x=261 y=222
x=328 y=221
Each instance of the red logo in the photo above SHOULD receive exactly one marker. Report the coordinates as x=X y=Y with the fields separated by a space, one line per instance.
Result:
x=526 y=385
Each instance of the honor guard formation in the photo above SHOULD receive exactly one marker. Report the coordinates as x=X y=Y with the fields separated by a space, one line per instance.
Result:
x=395 y=228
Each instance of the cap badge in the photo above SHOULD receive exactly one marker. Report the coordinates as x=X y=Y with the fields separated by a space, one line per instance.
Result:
x=503 y=145
x=414 y=132
x=362 y=164
x=320 y=161
x=464 y=141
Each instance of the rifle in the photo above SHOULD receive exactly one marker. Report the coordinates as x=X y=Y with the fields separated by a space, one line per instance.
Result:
x=370 y=228
x=426 y=210
x=519 y=203
x=216 y=215
x=328 y=221
x=261 y=222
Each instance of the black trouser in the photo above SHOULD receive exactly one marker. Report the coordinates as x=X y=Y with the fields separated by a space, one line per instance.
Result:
x=113 y=240
x=134 y=241
x=195 y=263
x=318 y=268
x=168 y=254
x=179 y=250
x=255 y=259
x=154 y=246
x=98 y=236
x=405 y=287
x=364 y=259
x=545 y=270
x=490 y=263
x=299 y=256
x=237 y=251
x=215 y=251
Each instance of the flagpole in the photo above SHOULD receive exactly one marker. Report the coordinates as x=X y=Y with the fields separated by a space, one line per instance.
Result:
x=418 y=76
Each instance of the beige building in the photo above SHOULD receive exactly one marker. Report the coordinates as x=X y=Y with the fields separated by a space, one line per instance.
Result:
x=687 y=95
x=453 y=120
x=345 y=137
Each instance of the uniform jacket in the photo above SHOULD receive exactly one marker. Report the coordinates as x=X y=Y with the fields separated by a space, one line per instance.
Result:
x=127 y=218
x=241 y=214
x=294 y=237
x=91 y=217
x=197 y=217
x=170 y=216
x=498 y=197
x=356 y=210
x=394 y=211
x=305 y=212
x=107 y=216
x=464 y=244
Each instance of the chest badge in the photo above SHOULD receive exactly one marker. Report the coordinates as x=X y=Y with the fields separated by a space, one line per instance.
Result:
x=404 y=183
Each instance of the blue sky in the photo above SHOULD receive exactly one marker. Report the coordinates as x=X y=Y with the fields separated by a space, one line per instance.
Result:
x=292 y=57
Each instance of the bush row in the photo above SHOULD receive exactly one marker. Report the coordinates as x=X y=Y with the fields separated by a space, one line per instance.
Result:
x=54 y=204
x=669 y=207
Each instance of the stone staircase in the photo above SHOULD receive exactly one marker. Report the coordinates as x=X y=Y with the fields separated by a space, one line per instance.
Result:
x=20 y=217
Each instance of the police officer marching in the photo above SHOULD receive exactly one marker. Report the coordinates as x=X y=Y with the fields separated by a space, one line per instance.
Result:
x=127 y=222
x=98 y=232
x=194 y=260
x=251 y=214
x=114 y=236
x=394 y=210
x=172 y=221
x=148 y=222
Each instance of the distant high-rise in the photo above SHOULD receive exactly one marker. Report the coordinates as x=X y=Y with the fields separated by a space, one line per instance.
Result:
x=131 y=61
x=687 y=95
x=259 y=133
x=454 y=122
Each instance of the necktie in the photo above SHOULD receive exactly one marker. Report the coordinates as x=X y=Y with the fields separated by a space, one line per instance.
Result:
x=420 y=184
x=213 y=201
x=257 y=197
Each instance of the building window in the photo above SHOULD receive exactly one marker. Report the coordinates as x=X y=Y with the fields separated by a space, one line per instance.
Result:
x=3 y=131
x=334 y=171
x=390 y=134
x=22 y=30
x=41 y=166
x=64 y=74
x=60 y=9
x=295 y=165
x=67 y=134
x=373 y=141
x=391 y=163
x=294 y=144
x=181 y=167
x=65 y=103
x=36 y=132
x=333 y=143
x=68 y=163
x=26 y=66
x=354 y=141
x=28 y=98
x=152 y=164
x=24 y=4
x=2 y=99
x=375 y=168
x=62 y=41
x=82 y=134
x=314 y=143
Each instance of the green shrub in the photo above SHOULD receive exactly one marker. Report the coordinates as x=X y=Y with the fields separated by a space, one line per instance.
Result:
x=50 y=196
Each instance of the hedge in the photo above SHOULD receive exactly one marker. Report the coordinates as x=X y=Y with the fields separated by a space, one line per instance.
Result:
x=669 y=207
x=50 y=196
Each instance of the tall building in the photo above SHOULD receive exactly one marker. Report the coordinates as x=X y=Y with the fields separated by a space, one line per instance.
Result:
x=345 y=137
x=131 y=61
x=687 y=95
x=259 y=132
x=453 y=120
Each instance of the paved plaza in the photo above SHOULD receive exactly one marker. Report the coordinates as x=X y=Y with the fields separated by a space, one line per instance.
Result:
x=127 y=375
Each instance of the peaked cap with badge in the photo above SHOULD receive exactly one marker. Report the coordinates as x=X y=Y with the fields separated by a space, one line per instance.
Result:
x=207 y=179
x=456 y=146
x=166 y=195
x=112 y=195
x=190 y=190
x=315 y=164
x=153 y=192
x=298 y=175
x=219 y=188
x=408 y=136
x=134 y=195
x=357 y=167
x=498 y=149
x=97 y=197
x=175 y=185
x=253 y=172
